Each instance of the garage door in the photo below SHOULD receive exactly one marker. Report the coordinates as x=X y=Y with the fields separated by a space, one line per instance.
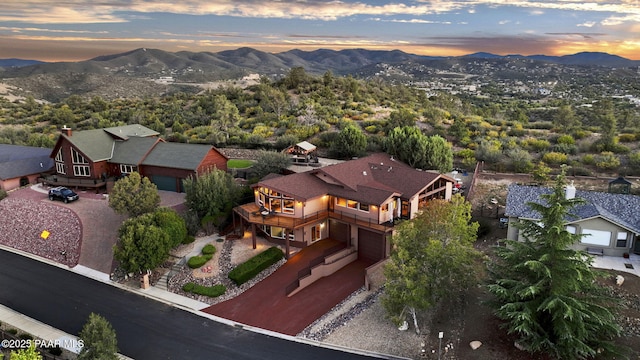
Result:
x=339 y=231
x=164 y=182
x=370 y=245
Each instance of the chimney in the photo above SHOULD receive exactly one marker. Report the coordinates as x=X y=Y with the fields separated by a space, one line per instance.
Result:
x=570 y=191
x=66 y=131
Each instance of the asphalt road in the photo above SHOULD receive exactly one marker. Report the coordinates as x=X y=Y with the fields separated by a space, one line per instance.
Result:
x=146 y=329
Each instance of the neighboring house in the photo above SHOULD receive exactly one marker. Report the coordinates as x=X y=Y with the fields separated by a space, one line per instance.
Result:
x=22 y=165
x=610 y=222
x=88 y=158
x=354 y=202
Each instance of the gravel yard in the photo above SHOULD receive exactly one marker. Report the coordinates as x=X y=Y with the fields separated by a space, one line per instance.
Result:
x=41 y=228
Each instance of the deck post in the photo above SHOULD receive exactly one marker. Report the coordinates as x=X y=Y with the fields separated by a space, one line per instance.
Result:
x=253 y=236
x=286 y=243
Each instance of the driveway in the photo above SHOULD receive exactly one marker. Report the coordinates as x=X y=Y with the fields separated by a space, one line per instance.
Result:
x=85 y=230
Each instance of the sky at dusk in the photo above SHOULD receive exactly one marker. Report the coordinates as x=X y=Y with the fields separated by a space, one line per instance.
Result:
x=74 y=30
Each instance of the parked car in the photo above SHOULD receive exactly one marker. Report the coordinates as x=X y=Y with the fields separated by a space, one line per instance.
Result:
x=62 y=193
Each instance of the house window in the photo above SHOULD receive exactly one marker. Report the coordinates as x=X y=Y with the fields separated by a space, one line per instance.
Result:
x=341 y=202
x=77 y=157
x=288 y=206
x=405 y=209
x=315 y=233
x=127 y=169
x=81 y=170
x=364 y=207
x=621 y=240
x=596 y=237
x=61 y=168
x=352 y=204
x=59 y=156
x=385 y=207
x=275 y=205
x=571 y=229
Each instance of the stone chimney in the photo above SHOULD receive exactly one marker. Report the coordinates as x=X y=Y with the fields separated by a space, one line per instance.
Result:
x=570 y=191
x=65 y=130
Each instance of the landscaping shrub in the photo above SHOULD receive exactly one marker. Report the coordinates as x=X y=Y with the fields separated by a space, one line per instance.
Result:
x=3 y=194
x=24 y=336
x=198 y=260
x=211 y=291
x=208 y=249
x=13 y=331
x=188 y=239
x=252 y=267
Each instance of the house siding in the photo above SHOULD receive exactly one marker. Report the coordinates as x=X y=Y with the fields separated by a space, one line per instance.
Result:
x=213 y=159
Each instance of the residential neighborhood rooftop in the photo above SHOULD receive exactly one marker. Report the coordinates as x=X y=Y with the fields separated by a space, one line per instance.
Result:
x=621 y=209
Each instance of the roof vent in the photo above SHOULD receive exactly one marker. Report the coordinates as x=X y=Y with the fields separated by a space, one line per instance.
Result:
x=364 y=173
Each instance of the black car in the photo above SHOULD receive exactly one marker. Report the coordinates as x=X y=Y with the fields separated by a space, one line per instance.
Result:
x=62 y=193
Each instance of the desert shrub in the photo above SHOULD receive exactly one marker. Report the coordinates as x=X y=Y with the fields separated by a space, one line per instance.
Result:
x=208 y=249
x=588 y=159
x=580 y=171
x=198 y=260
x=537 y=144
x=192 y=222
x=555 y=158
x=607 y=161
x=580 y=134
x=634 y=159
x=565 y=148
x=13 y=331
x=627 y=138
x=252 y=267
x=3 y=194
x=566 y=139
x=211 y=291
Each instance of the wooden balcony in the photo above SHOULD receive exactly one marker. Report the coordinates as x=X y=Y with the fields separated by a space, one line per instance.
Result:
x=251 y=213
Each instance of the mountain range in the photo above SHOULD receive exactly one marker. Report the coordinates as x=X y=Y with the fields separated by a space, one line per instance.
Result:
x=232 y=63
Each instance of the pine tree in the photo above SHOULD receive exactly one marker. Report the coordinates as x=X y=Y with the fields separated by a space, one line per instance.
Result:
x=546 y=292
x=99 y=340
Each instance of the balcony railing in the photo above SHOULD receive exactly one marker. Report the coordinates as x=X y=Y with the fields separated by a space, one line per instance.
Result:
x=252 y=213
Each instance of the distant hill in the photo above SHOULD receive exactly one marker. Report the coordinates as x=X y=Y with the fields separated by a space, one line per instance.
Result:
x=14 y=63
x=129 y=73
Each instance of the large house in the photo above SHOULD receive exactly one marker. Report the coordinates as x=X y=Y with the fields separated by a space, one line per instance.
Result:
x=22 y=165
x=355 y=202
x=87 y=158
x=609 y=222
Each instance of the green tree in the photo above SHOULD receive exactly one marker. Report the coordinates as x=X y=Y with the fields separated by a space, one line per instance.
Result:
x=100 y=342
x=520 y=160
x=439 y=154
x=489 y=151
x=432 y=259
x=408 y=144
x=351 y=141
x=546 y=292
x=212 y=194
x=565 y=118
x=134 y=195
x=29 y=353
x=608 y=126
x=270 y=162
x=541 y=173
x=142 y=244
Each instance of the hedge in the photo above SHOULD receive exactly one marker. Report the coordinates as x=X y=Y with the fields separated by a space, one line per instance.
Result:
x=198 y=260
x=211 y=291
x=209 y=249
x=252 y=267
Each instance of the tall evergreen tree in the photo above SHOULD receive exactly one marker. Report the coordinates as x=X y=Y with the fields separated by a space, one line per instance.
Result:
x=546 y=292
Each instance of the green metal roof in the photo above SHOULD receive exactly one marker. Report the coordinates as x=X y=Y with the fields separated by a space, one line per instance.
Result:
x=177 y=155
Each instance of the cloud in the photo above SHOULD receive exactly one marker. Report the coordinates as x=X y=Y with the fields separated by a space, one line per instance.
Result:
x=587 y=24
